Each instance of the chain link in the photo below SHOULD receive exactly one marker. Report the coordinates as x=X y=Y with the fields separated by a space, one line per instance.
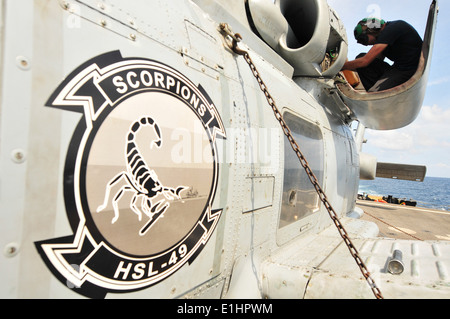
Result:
x=304 y=163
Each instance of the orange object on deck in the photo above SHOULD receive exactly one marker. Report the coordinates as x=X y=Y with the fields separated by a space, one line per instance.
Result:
x=351 y=77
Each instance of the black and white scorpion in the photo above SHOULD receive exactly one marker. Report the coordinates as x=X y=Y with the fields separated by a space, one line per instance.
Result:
x=141 y=180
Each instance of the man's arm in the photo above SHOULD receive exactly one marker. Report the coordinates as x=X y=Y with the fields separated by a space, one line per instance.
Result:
x=364 y=61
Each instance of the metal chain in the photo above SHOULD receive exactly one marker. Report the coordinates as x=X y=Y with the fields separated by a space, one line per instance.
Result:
x=353 y=251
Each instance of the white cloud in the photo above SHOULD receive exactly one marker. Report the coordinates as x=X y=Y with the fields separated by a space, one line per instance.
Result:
x=438 y=170
x=425 y=142
x=439 y=81
x=390 y=140
x=428 y=131
x=435 y=115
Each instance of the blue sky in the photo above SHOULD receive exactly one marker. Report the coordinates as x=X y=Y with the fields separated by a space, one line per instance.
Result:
x=427 y=140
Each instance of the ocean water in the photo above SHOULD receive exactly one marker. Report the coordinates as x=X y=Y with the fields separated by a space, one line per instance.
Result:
x=433 y=192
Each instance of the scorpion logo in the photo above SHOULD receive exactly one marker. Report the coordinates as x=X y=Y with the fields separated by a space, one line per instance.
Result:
x=141 y=180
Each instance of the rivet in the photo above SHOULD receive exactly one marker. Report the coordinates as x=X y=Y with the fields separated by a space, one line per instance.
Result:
x=18 y=156
x=22 y=62
x=11 y=250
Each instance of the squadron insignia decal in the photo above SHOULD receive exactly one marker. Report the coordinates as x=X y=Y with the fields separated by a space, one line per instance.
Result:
x=139 y=207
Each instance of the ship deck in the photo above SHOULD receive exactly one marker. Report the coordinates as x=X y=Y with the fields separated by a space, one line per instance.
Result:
x=407 y=222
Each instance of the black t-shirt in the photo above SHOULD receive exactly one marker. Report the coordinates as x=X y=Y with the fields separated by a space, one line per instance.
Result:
x=404 y=44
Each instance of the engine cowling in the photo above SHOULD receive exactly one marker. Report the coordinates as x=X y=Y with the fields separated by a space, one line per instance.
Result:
x=308 y=34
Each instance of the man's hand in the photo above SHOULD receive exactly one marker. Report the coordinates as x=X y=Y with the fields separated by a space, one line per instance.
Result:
x=364 y=61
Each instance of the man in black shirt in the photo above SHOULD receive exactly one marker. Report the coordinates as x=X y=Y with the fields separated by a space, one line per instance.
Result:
x=396 y=40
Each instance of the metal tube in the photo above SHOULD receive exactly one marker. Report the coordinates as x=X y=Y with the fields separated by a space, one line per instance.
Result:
x=395 y=265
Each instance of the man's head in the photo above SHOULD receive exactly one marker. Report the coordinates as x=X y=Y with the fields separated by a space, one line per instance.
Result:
x=367 y=30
